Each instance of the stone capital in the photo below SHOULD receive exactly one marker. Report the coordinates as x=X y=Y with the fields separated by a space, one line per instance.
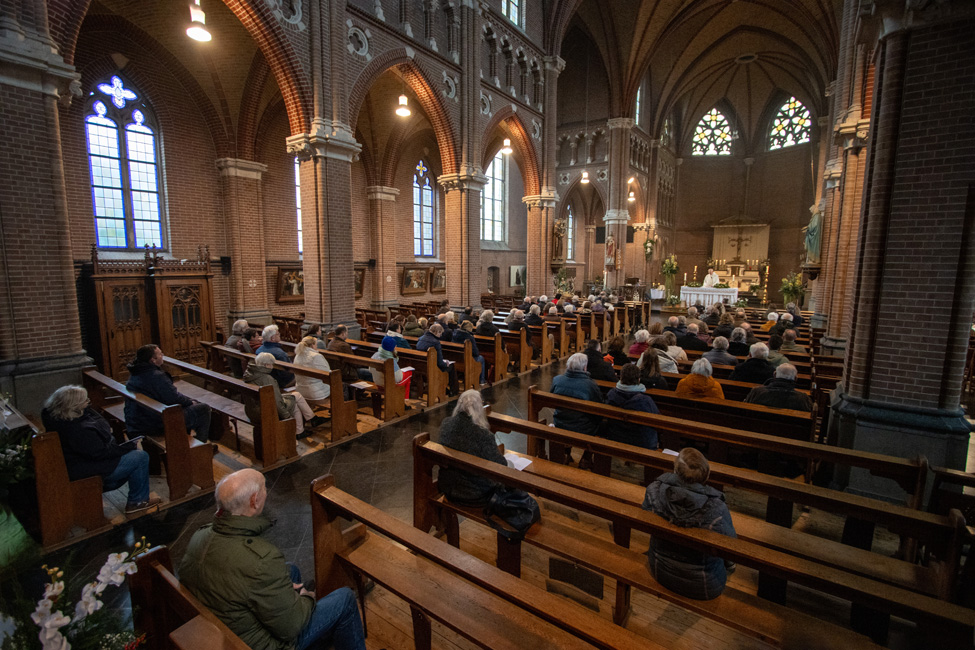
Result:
x=554 y=63
x=549 y=198
x=326 y=140
x=28 y=61
x=381 y=193
x=852 y=134
x=616 y=216
x=470 y=178
x=241 y=168
x=621 y=122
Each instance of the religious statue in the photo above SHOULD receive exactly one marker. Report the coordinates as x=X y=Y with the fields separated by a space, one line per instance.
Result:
x=558 y=233
x=610 y=252
x=814 y=235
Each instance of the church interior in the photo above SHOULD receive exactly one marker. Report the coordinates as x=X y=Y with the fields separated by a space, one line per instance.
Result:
x=169 y=169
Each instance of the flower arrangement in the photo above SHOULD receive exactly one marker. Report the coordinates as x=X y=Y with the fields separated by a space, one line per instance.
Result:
x=792 y=288
x=673 y=301
x=741 y=303
x=721 y=285
x=563 y=283
x=693 y=283
x=648 y=246
x=90 y=627
x=669 y=266
x=16 y=460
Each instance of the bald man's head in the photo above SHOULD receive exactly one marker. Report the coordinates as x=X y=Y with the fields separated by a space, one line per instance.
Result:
x=242 y=493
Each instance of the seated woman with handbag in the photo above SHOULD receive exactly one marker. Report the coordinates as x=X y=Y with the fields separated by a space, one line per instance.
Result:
x=467 y=431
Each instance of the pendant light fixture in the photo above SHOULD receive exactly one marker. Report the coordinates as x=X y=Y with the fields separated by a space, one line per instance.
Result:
x=632 y=196
x=403 y=109
x=585 y=177
x=585 y=173
x=506 y=149
x=197 y=29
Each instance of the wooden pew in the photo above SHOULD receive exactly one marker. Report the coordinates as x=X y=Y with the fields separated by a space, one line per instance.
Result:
x=516 y=345
x=274 y=439
x=168 y=614
x=188 y=461
x=733 y=390
x=62 y=503
x=494 y=351
x=387 y=405
x=937 y=579
x=468 y=370
x=761 y=618
x=343 y=422
x=290 y=328
x=480 y=602
x=541 y=342
x=424 y=364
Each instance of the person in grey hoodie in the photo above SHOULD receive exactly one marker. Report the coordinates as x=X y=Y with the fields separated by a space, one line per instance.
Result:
x=683 y=499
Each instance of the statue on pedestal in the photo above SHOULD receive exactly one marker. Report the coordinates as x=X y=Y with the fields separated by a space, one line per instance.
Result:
x=610 y=252
x=558 y=234
x=814 y=235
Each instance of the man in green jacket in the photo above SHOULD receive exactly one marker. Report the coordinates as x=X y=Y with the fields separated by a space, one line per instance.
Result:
x=244 y=580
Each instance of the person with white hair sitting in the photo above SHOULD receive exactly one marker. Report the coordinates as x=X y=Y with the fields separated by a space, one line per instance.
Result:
x=785 y=323
x=569 y=310
x=485 y=325
x=773 y=318
x=699 y=384
x=691 y=340
x=534 y=316
x=797 y=319
x=244 y=580
x=577 y=383
x=289 y=405
x=738 y=343
x=756 y=369
x=236 y=338
x=641 y=341
x=272 y=345
x=467 y=430
x=780 y=391
x=718 y=354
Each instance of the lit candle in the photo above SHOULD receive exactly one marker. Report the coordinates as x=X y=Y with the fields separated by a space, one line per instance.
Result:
x=695 y=271
x=685 y=278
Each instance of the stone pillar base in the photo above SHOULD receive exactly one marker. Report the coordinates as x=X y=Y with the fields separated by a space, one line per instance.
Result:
x=834 y=347
x=819 y=321
x=939 y=435
x=256 y=316
x=31 y=381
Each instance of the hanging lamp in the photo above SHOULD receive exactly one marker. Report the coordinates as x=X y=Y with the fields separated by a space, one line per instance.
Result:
x=197 y=29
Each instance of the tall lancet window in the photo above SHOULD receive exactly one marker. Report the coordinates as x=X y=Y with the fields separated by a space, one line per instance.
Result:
x=124 y=165
x=791 y=126
x=423 y=211
x=712 y=137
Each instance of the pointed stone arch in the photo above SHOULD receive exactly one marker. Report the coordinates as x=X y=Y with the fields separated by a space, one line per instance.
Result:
x=525 y=152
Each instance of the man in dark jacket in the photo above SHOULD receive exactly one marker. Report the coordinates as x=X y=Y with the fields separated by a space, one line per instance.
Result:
x=674 y=325
x=756 y=369
x=466 y=333
x=431 y=339
x=785 y=323
x=780 y=391
x=272 y=344
x=597 y=367
x=630 y=394
x=146 y=376
x=243 y=579
x=577 y=383
x=691 y=341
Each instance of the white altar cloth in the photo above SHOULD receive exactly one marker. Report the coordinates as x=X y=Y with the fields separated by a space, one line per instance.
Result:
x=708 y=296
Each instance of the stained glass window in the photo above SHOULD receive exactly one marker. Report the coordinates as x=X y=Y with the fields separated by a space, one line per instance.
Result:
x=791 y=125
x=298 y=203
x=712 y=137
x=422 y=211
x=493 y=201
x=124 y=168
x=570 y=235
x=512 y=9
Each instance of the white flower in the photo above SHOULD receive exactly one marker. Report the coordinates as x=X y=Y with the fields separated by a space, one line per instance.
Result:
x=89 y=603
x=115 y=569
x=50 y=636
x=53 y=589
x=43 y=611
x=8 y=625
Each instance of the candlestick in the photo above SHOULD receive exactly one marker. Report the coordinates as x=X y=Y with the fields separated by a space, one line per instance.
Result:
x=695 y=271
x=685 y=278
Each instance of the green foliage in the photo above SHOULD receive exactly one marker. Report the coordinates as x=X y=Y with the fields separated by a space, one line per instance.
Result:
x=669 y=266
x=563 y=283
x=792 y=289
x=721 y=285
x=673 y=300
x=741 y=303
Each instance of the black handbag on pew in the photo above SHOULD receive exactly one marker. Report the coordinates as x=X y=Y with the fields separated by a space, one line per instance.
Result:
x=516 y=508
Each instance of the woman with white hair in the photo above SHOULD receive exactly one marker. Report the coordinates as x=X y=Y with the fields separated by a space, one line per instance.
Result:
x=272 y=345
x=738 y=342
x=718 y=354
x=290 y=405
x=699 y=384
x=577 y=383
x=485 y=325
x=534 y=316
x=467 y=431
x=641 y=341
x=773 y=319
x=89 y=448
x=307 y=355
x=236 y=333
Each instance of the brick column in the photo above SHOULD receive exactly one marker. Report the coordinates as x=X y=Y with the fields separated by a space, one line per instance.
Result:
x=382 y=211
x=914 y=292
x=618 y=214
x=462 y=250
x=41 y=346
x=240 y=187
x=325 y=158
x=541 y=221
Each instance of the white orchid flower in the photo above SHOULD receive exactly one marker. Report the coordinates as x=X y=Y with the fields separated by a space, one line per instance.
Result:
x=115 y=570
x=53 y=589
x=50 y=635
x=43 y=611
x=89 y=603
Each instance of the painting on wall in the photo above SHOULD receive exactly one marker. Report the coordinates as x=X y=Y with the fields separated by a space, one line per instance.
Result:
x=359 y=280
x=415 y=280
x=290 y=285
x=517 y=275
x=438 y=280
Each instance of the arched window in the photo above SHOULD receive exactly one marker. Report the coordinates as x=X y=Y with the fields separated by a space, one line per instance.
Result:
x=494 y=201
x=791 y=125
x=422 y=212
x=123 y=158
x=712 y=137
x=639 y=97
x=298 y=203
x=514 y=11
x=570 y=235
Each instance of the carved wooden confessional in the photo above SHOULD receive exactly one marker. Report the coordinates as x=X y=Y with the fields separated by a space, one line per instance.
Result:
x=154 y=300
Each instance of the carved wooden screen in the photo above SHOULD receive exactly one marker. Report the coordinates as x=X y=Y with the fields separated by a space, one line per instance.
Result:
x=184 y=307
x=122 y=309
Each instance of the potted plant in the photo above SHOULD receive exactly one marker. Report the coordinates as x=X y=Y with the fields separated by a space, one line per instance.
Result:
x=669 y=269
x=792 y=289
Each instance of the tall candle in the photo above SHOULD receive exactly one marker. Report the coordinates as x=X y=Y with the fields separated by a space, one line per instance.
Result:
x=695 y=271
x=685 y=278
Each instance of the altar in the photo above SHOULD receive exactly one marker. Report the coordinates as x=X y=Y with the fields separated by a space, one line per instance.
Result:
x=707 y=296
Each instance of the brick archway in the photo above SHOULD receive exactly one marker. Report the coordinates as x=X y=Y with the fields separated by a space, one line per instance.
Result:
x=525 y=152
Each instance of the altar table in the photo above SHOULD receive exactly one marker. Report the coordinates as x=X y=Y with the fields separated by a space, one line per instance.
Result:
x=707 y=296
